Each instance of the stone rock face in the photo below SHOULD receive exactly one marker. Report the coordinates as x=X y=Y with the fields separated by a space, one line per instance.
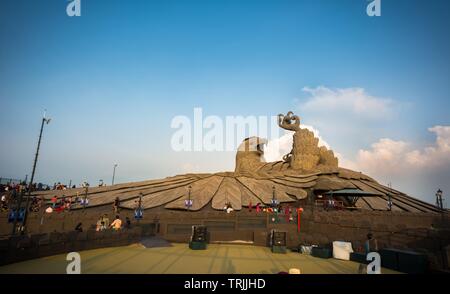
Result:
x=327 y=157
x=306 y=153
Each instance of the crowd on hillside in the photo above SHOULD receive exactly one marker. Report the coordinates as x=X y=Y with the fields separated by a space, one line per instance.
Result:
x=10 y=193
x=10 y=196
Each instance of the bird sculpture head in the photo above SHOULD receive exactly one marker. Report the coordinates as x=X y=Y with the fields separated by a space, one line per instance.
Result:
x=250 y=154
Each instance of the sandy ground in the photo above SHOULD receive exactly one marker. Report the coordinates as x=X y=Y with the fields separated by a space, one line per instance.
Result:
x=179 y=259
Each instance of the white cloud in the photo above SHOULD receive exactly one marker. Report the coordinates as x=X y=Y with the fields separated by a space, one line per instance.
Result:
x=347 y=100
x=390 y=157
x=433 y=156
x=385 y=155
x=411 y=169
x=278 y=147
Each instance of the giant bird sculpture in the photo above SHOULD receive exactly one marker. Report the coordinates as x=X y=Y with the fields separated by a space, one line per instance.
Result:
x=305 y=172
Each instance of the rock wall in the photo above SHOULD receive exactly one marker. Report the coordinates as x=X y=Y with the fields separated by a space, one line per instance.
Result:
x=306 y=153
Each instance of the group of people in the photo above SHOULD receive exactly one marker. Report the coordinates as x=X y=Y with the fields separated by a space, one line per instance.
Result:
x=10 y=194
x=22 y=187
x=287 y=210
x=103 y=223
x=278 y=208
x=228 y=208
x=330 y=203
x=16 y=188
x=61 y=204
x=59 y=186
x=36 y=204
x=4 y=202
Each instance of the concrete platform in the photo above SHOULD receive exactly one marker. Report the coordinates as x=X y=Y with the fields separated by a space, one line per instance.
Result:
x=179 y=259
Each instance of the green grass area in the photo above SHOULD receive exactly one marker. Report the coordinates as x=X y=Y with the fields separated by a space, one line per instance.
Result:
x=179 y=259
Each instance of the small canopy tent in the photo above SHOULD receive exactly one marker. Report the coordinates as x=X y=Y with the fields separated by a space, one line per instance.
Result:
x=352 y=195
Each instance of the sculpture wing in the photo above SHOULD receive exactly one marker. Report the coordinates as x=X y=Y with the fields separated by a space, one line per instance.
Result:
x=241 y=189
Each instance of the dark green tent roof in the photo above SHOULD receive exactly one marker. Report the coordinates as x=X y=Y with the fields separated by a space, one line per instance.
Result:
x=352 y=192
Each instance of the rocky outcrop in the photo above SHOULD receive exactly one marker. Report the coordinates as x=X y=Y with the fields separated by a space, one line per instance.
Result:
x=306 y=154
x=305 y=150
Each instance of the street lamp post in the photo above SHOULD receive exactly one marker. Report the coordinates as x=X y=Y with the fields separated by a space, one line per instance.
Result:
x=139 y=213
x=389 y=197
x=114 y=172
x=188 y=203
x=439 y=202
x=45 y=120
x=389 y=202
x=440 y=205
x=274 y=200
x=86 y=190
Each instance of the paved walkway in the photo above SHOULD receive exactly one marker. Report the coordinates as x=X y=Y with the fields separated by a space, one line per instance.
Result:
x=179 y=259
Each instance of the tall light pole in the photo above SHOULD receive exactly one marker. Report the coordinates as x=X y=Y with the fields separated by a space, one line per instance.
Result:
x=274 y=198
x=439 y=202
x=45 y=120
x=138 y=212
x=86 y=190
x=114 y=172
x=389 y=197
x=188 y=203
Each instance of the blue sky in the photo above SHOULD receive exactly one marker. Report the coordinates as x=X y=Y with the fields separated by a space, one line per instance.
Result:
x=113 y=79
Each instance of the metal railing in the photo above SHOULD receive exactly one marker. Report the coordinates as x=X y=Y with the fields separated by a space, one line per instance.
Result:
x=9 y=181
